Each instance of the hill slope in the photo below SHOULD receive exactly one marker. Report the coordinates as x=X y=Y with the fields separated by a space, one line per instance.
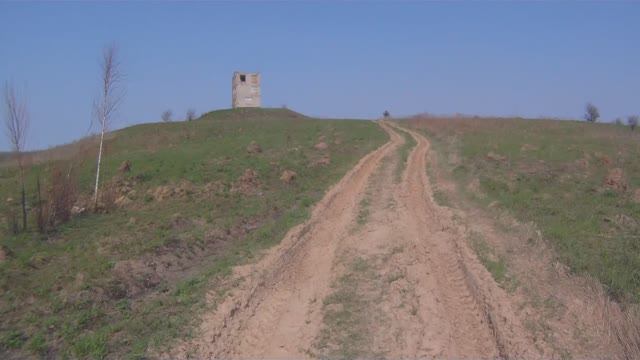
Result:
x=578 y=182
x=194 y=203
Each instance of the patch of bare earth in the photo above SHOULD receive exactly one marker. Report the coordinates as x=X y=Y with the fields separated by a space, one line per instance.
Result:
x=380 y=270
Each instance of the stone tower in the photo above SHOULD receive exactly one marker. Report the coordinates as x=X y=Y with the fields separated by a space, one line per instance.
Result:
x=245 y=89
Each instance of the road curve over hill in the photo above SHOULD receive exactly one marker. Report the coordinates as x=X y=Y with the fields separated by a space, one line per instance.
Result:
x=419 y=289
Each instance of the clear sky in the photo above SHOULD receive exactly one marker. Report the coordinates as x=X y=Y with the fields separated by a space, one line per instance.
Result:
x=324 y=59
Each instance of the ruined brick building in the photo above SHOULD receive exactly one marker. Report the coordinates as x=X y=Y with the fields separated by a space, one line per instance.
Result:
x=245 y=89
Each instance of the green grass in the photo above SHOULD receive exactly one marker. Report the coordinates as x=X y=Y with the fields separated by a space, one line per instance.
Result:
x=364 y=210
x=347 y=319
x=553 y=174
x=62 y=294
x=496 y=265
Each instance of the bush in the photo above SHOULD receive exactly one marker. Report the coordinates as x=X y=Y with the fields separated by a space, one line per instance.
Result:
x=591 y=113
x=108 y=197
x=62 y=193
x=166 y=116
x=191 y=114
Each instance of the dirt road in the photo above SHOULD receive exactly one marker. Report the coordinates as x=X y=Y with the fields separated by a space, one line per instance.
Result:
x=379 y=270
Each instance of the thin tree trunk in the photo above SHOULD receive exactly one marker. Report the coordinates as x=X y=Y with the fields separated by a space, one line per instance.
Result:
x=95 y=192
x=24 y=198
x=24 y=209
x=40 y=220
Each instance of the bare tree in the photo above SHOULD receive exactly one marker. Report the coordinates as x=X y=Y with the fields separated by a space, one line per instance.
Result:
x=166 y=115
x=17 y=126
x=633 y=121
x=591 y=113
x=105 y=107
x=191 y=114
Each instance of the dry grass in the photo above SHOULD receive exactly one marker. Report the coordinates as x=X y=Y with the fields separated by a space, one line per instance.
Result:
x=623 y=323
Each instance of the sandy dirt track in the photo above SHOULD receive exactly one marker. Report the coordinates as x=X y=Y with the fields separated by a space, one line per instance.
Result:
x=431 y=296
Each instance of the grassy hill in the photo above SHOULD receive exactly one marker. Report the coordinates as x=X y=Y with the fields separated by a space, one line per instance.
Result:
x=194 y=203
x=578 y=182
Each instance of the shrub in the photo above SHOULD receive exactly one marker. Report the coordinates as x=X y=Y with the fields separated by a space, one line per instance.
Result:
x=62 y=195
x=167 y=115
x=191 y=114
x=591 y=113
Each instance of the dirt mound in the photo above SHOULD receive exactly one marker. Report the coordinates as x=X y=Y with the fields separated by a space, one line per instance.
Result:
x=247 y=184
x=531 y=168
x=615 y=180
x=495 y=157
x=254 y=148
x=582 y=164
x=604 y=159
x=179 y=222
x=288 y=176
x=162 y=192
x=321 y=146
x=528 y=147
x=125 y=167
x=136 y=276
x=213 y=188
x=122 y=201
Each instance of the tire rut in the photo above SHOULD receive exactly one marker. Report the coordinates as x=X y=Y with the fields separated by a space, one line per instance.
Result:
x=275 y=311
x=433 y=296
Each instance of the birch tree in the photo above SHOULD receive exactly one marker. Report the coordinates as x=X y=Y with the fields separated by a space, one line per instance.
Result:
x=111 y=95
x=17 y=126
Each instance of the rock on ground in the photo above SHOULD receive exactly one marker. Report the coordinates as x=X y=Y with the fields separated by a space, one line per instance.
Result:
x=247 y=184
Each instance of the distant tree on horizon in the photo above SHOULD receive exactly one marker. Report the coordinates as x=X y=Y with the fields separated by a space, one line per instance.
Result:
x=591 y=113
x=191 y=114
x=632 y=121
x=167 y=115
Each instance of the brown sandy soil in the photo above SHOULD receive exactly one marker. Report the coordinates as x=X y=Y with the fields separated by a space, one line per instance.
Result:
x=379 y=270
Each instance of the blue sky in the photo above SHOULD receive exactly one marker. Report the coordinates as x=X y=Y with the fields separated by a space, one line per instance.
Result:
x=324 y=59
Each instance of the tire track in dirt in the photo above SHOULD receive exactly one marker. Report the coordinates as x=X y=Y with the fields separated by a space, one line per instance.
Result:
x=432 y=296
x=275 y=312
x=481 y=319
